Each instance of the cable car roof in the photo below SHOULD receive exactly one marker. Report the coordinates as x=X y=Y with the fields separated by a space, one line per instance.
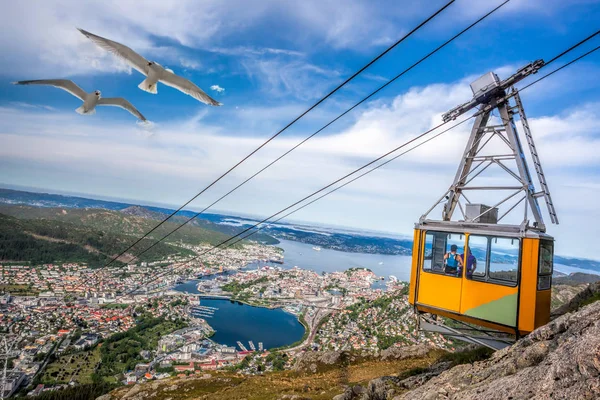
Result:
x=516 y=231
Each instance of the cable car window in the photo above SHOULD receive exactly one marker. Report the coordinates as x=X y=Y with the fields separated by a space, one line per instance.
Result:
x=428 y=257
x=504 y=259
x=546 y=265
x=477 y=260
x=442 y=253
x=546 y=251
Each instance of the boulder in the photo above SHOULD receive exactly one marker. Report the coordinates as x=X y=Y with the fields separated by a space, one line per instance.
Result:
x=401 y=353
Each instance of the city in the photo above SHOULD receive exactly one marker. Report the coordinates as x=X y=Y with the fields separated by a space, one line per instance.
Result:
x=59 y=316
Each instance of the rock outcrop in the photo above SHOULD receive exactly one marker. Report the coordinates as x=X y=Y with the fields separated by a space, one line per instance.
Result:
x=560 y=360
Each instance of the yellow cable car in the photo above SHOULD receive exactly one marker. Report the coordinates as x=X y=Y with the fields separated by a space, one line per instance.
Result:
x=501 y=281
x=476 y=269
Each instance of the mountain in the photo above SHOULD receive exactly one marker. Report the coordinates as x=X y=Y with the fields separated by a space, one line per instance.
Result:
x=207 y=221
x=46 y=235
x=229 y=225
x=142 y=212
x=41 y=241
x=576 y=278
x=117 y=222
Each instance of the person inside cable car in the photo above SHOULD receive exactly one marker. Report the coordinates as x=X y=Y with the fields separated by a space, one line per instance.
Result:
x=471 y=262
x=453 y=261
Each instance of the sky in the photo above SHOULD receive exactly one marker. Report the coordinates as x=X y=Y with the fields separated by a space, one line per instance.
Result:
x=267 y=61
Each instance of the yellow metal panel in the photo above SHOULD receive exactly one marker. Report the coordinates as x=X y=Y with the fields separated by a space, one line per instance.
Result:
x=415 y=266
x=528 y=283
x=440 y=291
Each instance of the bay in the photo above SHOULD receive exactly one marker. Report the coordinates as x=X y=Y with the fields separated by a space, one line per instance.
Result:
x=235 y=321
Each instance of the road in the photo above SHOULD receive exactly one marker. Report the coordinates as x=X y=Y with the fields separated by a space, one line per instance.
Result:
x=313 y=323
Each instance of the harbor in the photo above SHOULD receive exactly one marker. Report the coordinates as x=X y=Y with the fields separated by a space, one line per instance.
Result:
x=243 y=326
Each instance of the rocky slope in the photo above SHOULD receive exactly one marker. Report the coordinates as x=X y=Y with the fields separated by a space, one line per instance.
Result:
x=560 y=360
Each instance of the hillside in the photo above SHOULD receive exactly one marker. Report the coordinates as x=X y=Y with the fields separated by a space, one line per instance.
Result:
x=40 y=241
x=117 y=222
x=42 y=201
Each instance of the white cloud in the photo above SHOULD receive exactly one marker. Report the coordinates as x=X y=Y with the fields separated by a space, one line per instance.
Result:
x=42 y=149
x=217 y=88
x=279 y=77
x=41 y=36
x=254 y=51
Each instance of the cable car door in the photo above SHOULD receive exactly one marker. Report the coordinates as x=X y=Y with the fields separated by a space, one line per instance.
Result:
x=490 y=283
x=440 y=283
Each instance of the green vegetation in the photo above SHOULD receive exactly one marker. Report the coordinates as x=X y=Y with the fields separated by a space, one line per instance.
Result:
x=333 y=286
x=121 y=351
x=349 y=271
x=19 y=290
x=41 y=241
x=384 y=342
x=278 y=360
x=122 y=223
x=81 y=392
x=235 y=287
x=590 y=300
x=77 y=367
x=467 y=357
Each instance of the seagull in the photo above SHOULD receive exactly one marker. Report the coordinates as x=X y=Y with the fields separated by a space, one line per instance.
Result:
x=90 y=100
x=153 y=71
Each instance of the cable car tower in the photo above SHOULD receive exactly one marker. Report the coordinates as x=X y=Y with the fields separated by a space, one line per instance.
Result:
x=489 y=277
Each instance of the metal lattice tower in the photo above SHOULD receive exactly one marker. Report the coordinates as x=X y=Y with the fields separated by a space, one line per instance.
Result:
x=491 y=94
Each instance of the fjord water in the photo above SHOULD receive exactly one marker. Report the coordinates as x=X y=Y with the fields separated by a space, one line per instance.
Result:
x=326 y=260
x=235 y=321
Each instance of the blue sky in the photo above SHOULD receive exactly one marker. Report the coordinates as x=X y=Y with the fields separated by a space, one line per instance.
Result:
x=273 y=59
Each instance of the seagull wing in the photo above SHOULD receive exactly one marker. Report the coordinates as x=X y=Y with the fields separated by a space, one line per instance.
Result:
x=63 y=84
x=187 y=87
x=120 y=102
x=123 y=52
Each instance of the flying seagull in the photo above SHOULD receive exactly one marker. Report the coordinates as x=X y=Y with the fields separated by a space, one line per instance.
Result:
x=153 y=71
x=90 y=100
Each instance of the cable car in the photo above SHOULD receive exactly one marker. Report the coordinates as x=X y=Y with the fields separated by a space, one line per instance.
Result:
x=488 y=275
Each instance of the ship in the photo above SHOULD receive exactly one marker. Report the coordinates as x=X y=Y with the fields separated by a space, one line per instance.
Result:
x=316 y=248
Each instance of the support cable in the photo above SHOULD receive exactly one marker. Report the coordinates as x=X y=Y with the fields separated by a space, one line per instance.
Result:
x=327 y=125
x=365 y=166
x=285 y=128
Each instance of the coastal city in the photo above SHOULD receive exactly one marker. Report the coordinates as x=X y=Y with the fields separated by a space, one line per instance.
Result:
x=66 y=321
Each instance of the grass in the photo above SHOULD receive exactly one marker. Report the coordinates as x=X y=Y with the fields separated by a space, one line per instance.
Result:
x=77 y=367
x=590 y=300
x=21 y=290
x=274 y=385
x=467 y=357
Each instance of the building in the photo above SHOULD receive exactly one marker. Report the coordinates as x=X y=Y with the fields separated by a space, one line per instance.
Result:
x=13 y=381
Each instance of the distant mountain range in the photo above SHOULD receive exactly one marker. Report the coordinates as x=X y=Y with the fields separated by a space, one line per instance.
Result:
x=222 y=226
